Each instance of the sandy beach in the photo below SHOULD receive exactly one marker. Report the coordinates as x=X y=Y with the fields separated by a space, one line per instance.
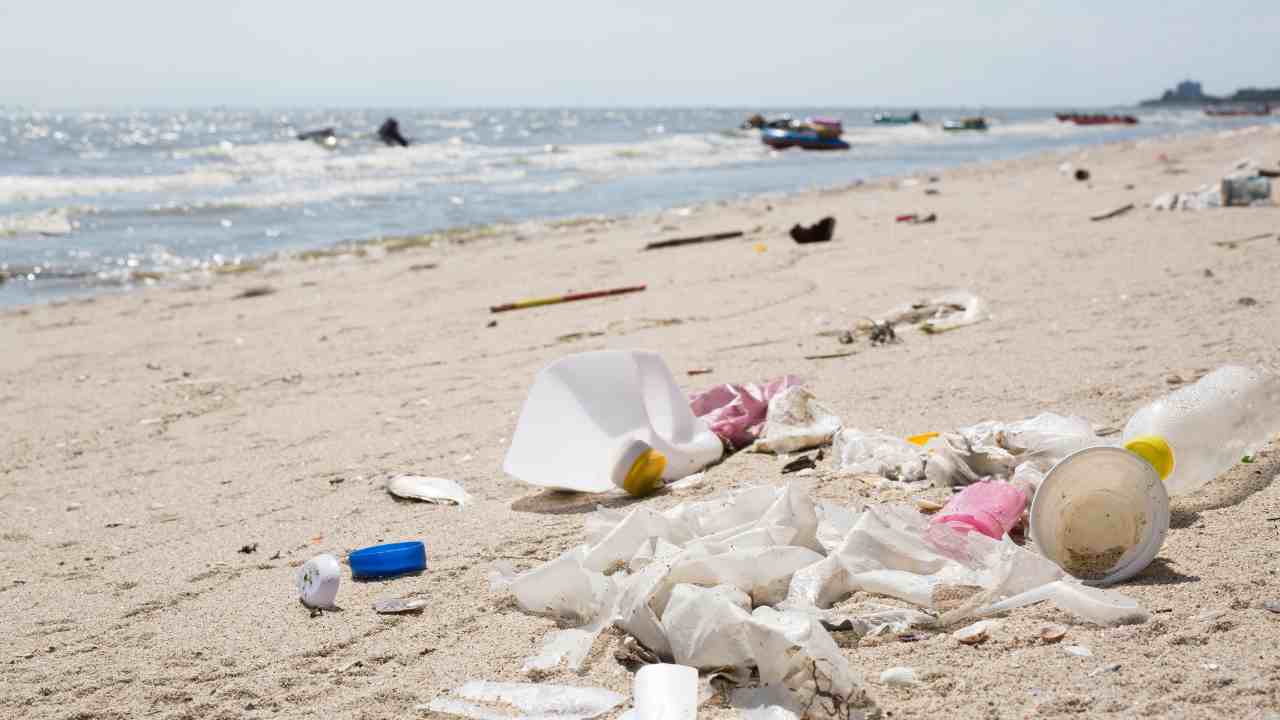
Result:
x=172 y=455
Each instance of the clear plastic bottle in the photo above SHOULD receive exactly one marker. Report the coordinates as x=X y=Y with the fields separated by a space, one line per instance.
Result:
x=1211 y=425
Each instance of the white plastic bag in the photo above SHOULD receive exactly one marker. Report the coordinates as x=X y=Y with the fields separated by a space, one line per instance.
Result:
x=796 y=421
x=879 y=454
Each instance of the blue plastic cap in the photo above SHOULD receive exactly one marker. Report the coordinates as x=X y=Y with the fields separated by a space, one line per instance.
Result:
x=382 y=561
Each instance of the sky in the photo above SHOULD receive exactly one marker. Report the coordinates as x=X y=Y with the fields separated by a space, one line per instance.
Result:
x=282 y=53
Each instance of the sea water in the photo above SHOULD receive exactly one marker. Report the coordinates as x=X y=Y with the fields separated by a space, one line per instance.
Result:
x=91 y=200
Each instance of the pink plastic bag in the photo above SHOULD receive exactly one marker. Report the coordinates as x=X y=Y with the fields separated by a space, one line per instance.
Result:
x=991 y=507
x=737 y=412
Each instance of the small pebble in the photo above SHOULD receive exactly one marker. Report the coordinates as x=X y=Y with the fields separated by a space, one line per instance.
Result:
x=1113 y=667
x=1078 y=651
x=1272 y=605
x=977 y=633
x=1210 y=666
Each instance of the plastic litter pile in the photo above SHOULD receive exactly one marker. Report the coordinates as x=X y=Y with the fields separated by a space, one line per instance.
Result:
x=744 y=586
x=749 y=587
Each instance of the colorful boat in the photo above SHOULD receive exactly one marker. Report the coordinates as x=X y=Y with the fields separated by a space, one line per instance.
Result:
x=1237 y=111
x=887 y=119
x=806 y=138
x=1097 y=119
x=969 y=123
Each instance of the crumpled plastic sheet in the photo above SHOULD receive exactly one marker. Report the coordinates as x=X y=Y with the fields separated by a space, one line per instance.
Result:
x=1024 y=450
x=737 y=412
x=747 y=581
x=863 y=453
x=973 y=310
x=1202 y=198
x=948 y=311
x=796 y=421
x=893 y=550
x=527 y=700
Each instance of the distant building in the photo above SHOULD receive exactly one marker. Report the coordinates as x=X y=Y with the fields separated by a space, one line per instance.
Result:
x=1187 y=91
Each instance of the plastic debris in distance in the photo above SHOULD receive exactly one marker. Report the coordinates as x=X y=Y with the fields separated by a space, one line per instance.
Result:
x=586 y=413
x=525 y=700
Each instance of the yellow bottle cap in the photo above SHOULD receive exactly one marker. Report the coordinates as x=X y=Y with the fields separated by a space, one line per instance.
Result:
x=1154 y=450
x=644 y=468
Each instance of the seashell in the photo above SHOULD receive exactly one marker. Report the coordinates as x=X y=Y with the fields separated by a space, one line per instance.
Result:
x=927 y=506
x=428 y=489
x=1053 y=633
x=976 y=633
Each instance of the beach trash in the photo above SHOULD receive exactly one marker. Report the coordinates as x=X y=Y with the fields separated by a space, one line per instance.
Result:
x=483 y=700
x=610 y=419
x=666 y=692
x=819 y=232
x=1211 y=425
x=991 y=507
x=863 y=453
x=796 y=421
x=389 y=560
x=318 y=581
x=1102 y=513
x=1095 y=605
x=441 y=491
x=737 y=412
x=1245 y=191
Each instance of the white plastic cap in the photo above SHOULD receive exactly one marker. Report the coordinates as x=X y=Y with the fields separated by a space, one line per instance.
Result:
x=318 y=581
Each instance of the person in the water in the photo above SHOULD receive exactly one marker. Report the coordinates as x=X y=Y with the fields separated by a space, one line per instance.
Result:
x=389 y=133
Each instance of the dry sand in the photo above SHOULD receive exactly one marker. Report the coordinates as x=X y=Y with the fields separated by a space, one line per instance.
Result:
x=149 y=436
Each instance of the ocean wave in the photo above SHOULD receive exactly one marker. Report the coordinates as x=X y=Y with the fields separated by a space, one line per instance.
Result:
x=29 y=188
x=53 y=222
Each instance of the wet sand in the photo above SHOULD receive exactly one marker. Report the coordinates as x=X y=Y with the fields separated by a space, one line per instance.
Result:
x=172 y=455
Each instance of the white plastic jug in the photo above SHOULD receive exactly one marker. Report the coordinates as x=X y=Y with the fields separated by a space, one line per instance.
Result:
x=614 y=418
x=1212 y=424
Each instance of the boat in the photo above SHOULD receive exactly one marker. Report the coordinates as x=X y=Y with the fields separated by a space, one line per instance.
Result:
x=969 y=123
x=1237 y=111
x=1097 y=119
x=887 y=119
x=760 y=122
x=806 y=138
